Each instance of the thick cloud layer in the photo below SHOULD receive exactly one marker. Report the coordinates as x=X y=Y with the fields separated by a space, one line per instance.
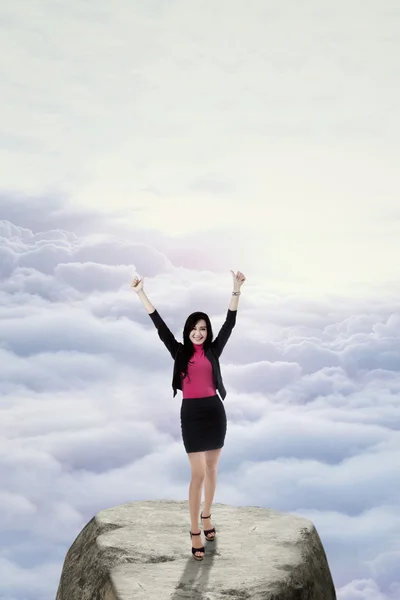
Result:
x=87 y=412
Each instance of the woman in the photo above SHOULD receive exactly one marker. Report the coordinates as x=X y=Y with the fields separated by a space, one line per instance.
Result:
x=203 y=420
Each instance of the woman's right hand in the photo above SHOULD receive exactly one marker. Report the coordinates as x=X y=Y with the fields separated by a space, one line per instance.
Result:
x=137 y=284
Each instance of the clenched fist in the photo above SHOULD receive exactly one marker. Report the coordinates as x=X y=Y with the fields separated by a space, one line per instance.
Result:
x=137 y=284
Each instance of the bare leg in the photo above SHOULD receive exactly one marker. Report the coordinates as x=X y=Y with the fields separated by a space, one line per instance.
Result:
x=198 y=467
x=210 y=484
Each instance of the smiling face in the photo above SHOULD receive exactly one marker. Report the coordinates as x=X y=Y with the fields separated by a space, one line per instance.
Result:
x=198 y=334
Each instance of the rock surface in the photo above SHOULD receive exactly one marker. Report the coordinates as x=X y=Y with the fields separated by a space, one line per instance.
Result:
x=141 y=551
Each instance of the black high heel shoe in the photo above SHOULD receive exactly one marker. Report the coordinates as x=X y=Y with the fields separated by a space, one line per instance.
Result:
x=194 y=550
x=208 y=531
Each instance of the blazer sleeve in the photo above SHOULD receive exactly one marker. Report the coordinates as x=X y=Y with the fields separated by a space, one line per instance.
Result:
x=165 y=334
x=225 y=332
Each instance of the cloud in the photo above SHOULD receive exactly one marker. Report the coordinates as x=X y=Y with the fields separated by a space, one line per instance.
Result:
x=152 y=145
x=367 y=589
x=41 y=213
x=87 y=407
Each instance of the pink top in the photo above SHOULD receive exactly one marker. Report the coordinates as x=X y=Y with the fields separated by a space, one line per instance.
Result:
x=199 y=382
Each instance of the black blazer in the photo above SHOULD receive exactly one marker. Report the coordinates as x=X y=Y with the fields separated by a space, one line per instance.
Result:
x=213 y=353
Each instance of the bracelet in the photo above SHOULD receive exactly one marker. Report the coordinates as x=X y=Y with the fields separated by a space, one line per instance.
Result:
x=236 y=293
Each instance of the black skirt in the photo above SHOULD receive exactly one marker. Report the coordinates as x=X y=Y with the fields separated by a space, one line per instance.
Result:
x=203 y=423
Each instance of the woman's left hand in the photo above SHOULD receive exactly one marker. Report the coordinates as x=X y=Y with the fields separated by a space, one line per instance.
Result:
x=238 y=280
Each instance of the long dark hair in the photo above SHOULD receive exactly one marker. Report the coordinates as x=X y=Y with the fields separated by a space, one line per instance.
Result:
x=188 y=349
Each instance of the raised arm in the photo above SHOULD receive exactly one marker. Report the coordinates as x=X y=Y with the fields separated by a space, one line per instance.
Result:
x=165 y=335
x=230 y=321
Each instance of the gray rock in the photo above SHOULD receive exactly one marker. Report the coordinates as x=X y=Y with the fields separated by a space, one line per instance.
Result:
x=142 y=551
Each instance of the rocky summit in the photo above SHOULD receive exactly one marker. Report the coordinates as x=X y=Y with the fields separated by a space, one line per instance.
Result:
x=142 y=551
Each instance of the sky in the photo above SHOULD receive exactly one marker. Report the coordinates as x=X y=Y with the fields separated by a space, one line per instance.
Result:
x=178 y=140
